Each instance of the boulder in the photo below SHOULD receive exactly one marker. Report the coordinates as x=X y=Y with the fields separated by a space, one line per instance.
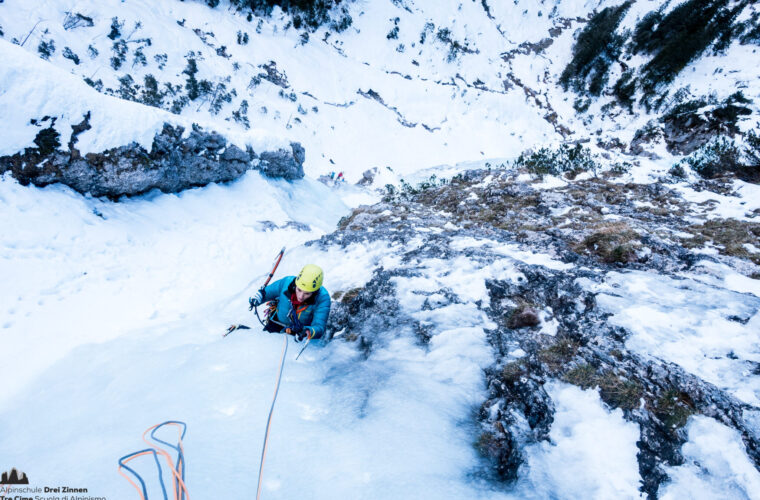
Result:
x=283 y=163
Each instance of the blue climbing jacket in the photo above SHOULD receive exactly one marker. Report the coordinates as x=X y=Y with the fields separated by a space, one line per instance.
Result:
x=312 y=314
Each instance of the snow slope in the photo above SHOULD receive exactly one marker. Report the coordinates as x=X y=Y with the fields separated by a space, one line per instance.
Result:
x=341 y=129
x=33 y=89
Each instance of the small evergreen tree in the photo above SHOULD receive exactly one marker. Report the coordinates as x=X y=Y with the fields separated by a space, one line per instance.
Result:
x=241 y=115
x=68 y=54
x=46 y=49
x=393 y=33
x=127 y=88
x=119 y=50
x=139 y=58
x=115 y=29
x=151 y=95
x=161 y=60
x=191 y=84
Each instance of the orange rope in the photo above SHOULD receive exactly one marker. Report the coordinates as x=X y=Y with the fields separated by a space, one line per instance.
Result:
x=269 y=420
x=155 y=448
x=168 y=458
x=139 y=491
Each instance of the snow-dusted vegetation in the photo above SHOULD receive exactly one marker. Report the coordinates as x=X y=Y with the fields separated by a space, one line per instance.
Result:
x=538 y=223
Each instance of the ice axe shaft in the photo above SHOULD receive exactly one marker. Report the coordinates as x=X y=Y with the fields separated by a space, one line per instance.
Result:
x=274 y=268
x=277 y=261
x=304 y=348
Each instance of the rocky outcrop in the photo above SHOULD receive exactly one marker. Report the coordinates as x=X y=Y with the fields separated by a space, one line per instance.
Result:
x=174 y=162
x=283 y=163
x=588 y=352
x=691 y=125
x=583 y=348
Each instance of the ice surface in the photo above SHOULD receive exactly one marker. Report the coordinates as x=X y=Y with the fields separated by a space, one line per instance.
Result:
x=716 y=465
x=592 y=453
x=710 y=330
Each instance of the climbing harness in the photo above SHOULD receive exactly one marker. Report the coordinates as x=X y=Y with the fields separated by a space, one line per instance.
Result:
x=179 y=489
x=269 y=419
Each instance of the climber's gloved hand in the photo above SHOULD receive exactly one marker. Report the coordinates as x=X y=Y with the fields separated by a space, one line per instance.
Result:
x=256 y=300
x=299 y=336
x=296 y=331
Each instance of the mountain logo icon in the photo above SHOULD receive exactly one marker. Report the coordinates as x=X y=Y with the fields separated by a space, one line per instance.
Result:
x=14 y=477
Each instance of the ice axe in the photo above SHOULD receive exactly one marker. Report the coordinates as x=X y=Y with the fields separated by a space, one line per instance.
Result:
x=277 y=260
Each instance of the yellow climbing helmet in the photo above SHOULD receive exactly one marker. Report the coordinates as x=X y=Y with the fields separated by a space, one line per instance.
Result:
x=310 y=278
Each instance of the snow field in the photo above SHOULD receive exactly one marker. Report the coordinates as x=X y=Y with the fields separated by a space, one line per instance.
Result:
x=368 y=428
x=397 y=424
x=713 y=451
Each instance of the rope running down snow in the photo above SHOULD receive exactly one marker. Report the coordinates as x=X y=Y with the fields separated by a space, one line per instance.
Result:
x=269 y=419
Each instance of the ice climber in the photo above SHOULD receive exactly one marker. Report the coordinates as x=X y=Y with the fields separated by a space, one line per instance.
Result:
x=299 y=305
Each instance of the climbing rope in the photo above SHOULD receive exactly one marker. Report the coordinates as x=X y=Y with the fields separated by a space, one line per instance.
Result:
x=269 y=419
x=141 y=490
x=178 y=471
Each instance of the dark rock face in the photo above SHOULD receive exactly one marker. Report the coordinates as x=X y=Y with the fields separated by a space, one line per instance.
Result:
x=282 y=163
x=588 y=352
x=499 y=446
x=368 y=314
x=172 y=164
x=688 y=127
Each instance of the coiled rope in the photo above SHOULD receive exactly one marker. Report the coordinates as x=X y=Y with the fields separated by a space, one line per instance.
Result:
x=269 y=419
x=178 y=471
